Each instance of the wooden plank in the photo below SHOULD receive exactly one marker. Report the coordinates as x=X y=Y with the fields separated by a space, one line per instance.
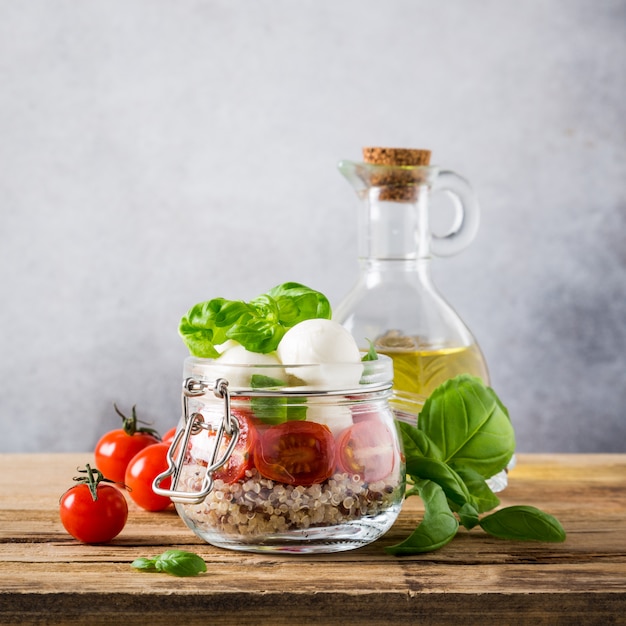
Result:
x=47 y=577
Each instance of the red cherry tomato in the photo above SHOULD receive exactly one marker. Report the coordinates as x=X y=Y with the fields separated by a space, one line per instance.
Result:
x=168 y=437
x=93 y=520
x=117 y=447
x=367 y=448
x=296 y=453
x=143 y=468
x=241 y=459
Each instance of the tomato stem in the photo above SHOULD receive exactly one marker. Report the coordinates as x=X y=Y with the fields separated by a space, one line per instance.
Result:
x=130 y=423
x=93 y=478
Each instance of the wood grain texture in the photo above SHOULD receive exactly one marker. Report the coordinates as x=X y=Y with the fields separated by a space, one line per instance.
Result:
x=47 y=577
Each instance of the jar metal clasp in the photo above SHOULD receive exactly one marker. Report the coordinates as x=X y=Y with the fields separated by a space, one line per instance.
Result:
x=194 y=424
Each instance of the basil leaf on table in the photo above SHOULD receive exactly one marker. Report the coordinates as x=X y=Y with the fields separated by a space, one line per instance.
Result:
x=442 y=474
x=458 y=495
x=523 y=523
x=470 y=426
x=174 y=562
x=483 y=498
x=144 y=563
x=437 y=528
x=463 y=436
x=468 y=515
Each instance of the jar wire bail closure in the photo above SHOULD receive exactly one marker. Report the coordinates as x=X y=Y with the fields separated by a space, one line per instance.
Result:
x=194 y=423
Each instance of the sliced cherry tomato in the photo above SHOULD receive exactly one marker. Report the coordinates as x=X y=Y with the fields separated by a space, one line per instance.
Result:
x=366 y=413
x=296 y=453
x=241 y=457
x=143 y=468
x=367 y=448
x=117 y=447
x=93 y=512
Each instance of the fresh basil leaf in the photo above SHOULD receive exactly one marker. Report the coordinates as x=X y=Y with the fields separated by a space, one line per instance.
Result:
x=371 y=354
x=423 y=462
x=265 y=305
x=470 y=426
x=468 y=515
x=180 y=563
x=175 y=562
x=296 y=409
x=438 y=527
x=197 y=330
x=144 y=563
x=419 y=467
x=225 y=313
x=523 y=523
x=260 y=381
x=297 y=303
x=256 y=334
x=483 y=498
x=206 y=324
x=275 y=409
x=258 y=325
x=416 y=442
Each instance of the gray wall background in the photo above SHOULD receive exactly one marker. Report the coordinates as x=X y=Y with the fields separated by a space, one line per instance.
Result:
x=154 y=154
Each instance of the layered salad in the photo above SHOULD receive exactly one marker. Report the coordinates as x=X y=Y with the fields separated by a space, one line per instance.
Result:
x=317 y=456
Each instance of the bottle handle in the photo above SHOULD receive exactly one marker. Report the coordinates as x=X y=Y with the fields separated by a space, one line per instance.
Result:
x=466 y=218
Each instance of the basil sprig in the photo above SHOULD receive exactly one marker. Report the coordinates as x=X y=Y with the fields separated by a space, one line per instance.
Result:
x=463 y=436
x=258 y=325
x=175 y=562
x=274 y=410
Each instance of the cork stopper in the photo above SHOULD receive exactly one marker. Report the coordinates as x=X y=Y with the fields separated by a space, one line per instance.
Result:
x=396 y=156
x=396 y=179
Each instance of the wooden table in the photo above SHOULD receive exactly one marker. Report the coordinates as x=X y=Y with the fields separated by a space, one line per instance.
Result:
x=47 y=577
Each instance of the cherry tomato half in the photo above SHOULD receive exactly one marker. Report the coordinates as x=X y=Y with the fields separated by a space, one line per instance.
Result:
x=367 y=448
x=240 y=460
x=93 y=521
x=296 y=453
x=116 y=448
x=143 y=468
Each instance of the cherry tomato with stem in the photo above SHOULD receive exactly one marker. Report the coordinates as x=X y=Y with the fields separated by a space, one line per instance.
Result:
x=168 y=437
x=143 y=468
x=91 y=511
x=296 y=453
x=116 y=448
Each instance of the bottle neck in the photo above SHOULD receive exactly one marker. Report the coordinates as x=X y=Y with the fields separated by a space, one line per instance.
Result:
x=377 y=271
x=394 y=231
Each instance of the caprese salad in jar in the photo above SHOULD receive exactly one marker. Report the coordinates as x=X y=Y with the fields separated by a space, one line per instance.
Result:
x=316 y=444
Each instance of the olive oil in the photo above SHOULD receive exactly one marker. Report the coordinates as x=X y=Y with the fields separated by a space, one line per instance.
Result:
x=420 y=369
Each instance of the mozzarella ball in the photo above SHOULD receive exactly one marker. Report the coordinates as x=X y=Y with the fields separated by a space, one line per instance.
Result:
x=232 y=364
x=328 y=348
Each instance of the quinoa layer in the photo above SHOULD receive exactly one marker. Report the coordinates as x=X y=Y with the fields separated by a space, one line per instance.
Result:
x=260 y=506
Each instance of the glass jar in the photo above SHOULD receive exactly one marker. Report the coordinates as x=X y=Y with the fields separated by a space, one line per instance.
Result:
x=263 y=462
